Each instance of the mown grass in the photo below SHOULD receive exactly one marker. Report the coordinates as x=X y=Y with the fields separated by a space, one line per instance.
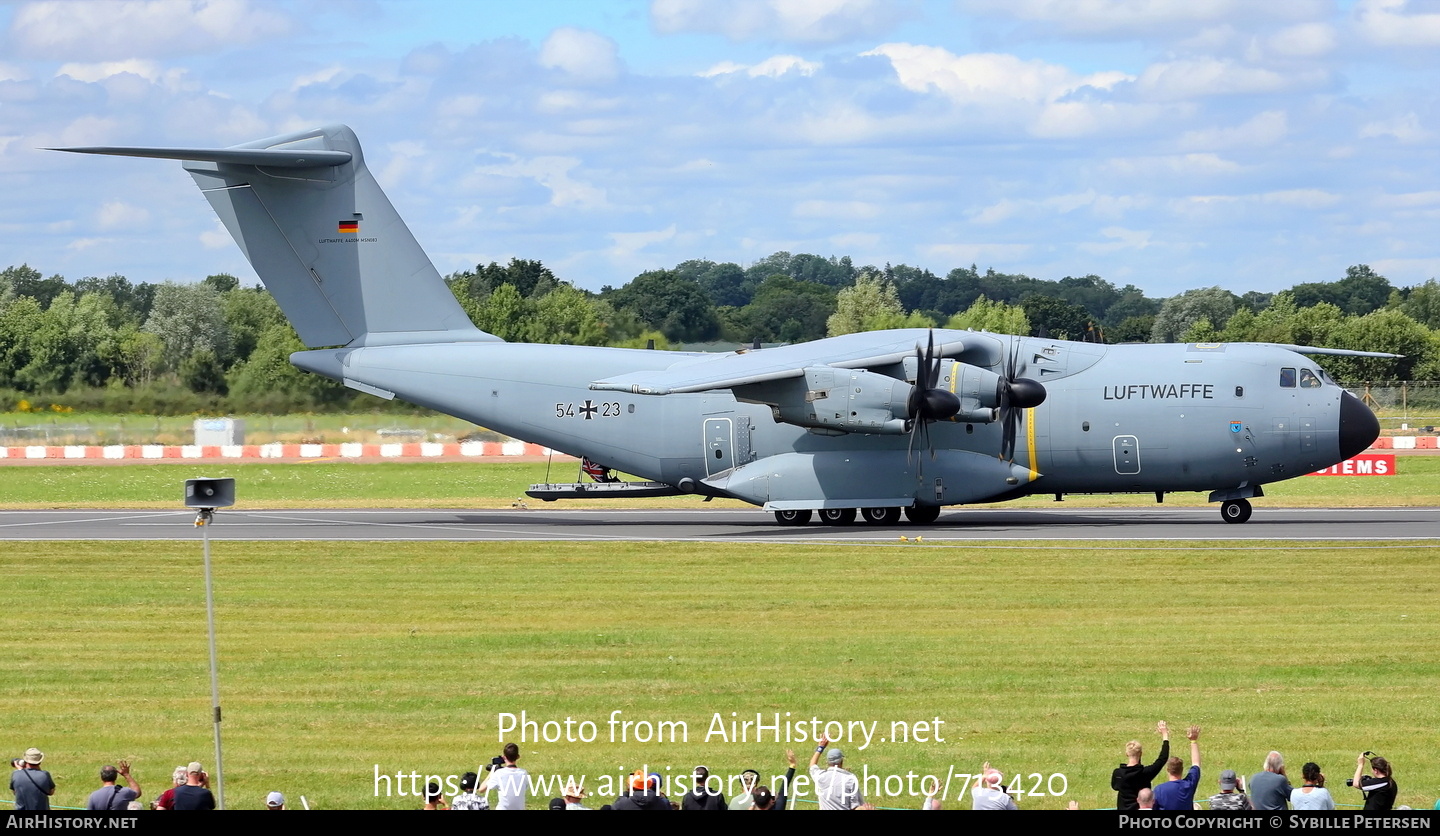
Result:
x=332 y=484
x=341 y=657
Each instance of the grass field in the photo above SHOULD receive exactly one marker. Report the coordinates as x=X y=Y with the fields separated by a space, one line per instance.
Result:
x=332 y=484
x=341 y=658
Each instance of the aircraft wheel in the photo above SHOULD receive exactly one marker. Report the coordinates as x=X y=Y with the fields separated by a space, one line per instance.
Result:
x=922 y=514
x=1235 y=510
x=837 y=516
x=792 y=517
x=880 y=516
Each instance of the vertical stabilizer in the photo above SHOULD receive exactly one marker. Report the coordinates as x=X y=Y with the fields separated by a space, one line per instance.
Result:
x=324 y=239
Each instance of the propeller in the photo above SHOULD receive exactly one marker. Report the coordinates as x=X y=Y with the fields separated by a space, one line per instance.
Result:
x=1016 y=393
x=927 y=402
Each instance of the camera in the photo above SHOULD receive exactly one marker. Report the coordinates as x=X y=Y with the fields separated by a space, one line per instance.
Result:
x=495 y=763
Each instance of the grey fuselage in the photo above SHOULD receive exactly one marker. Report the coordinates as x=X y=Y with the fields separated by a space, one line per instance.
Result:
x=1127 y=418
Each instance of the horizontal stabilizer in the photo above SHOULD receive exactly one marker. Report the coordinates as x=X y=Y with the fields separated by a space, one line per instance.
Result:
x=266 y=157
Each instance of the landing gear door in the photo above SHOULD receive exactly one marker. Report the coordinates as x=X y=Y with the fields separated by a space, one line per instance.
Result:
x=1127 y=454
x=719 y=445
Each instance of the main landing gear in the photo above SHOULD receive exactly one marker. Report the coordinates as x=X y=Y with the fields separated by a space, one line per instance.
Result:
x=1235 y=510
x=918 y=514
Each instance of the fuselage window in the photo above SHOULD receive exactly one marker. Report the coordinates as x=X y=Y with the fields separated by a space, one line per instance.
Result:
x=1308 y=380
x=1239 y=391
x=1287 y=378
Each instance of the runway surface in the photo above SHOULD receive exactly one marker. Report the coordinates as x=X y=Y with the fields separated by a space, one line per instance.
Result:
x=1366 y=524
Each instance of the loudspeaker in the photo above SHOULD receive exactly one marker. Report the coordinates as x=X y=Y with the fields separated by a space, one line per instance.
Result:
x=209 y=493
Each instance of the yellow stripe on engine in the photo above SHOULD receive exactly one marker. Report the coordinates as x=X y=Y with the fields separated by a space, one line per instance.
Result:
x=1030 y=443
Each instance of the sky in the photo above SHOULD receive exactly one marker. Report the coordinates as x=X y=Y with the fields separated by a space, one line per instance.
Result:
x=1170 y=144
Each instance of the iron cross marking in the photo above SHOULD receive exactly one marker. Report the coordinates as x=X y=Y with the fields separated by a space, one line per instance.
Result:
x=589 y=409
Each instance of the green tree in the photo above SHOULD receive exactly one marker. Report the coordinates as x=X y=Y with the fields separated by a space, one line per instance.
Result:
x=188 y=318
x=1389 y=331
x=666 y=301
x=565 y=316
x=871 y=303
x=201 y=372
x=1178 y=313
x=995 y=317
x=1056 y=318
x=249 y=312
x=1422 y=304
x=783 y=310
x=1360 y=292
x=27 y=281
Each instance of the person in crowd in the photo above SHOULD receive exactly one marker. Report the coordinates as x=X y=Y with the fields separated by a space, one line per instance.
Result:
x=509 y=780
x=434 y=797
x=112 y=796
x=1311 y=795
x=166 y=801
x=32 y=785
x=989 y=793
x=746 y=799
x=1231 y=797
x=1270 y=789
x=1379 y=786
x=468 y=799
x=1178 y=791
x=195 y=793
x=574 y=797
x=1145 y=799
x=836 y=787
x=1131 y=776
x=701 y=796
x=275 y=801
x=644 y=794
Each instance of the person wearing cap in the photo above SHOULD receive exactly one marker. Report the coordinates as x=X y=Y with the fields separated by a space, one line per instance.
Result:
x=746 y=799
x=112 y=796
x=195 y=794
x=989 y=792
x=644 y=794
x=836 y=788
x=275 y=801
x=468 y=799
x=1232 y=797
x=32 y=785
x=701 y=796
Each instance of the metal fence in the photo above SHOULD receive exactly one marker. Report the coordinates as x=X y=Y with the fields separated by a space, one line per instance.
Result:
x=1411 y=404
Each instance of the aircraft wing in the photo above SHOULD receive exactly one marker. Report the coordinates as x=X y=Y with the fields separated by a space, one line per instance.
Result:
x=1338 y=352
x=852 y=351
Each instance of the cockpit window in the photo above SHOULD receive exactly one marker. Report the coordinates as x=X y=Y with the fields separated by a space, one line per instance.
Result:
x=1325 y=376
x=1287 y=378
x=1308 y=380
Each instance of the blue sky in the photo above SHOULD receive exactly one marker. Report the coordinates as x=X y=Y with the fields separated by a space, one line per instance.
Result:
x=1171 y=144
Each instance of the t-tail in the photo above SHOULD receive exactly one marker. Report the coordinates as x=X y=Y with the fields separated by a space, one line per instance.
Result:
x=324 y=239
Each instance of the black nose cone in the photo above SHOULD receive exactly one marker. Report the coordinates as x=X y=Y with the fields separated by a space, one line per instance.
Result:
x=1358 y=426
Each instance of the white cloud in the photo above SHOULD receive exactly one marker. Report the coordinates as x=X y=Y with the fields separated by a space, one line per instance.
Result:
x=1387 y=23
x=1171 y=165
x=976 y=253
x=837 y=209
x=856 y=242
x=1192 y=78
x=1405 y=128
x=554 y=174
x=587 y=57
x=1260 y=130
x=216 y=238
x=148 y=70
x=102 y=29
x=1410 y=200
x=12 y=72
x=1122 y=18
x=118 y=215
x=774 y=67
x=1304 y=40
x=1006 y=208
x=1121 y=239
x=629 y=243
x=803 y=21
x=986 y=77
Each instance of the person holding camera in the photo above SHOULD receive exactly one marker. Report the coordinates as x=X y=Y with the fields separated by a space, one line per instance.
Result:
x=195 y=793
x=1312 y=795
x=1379 y=786
x=510 y=781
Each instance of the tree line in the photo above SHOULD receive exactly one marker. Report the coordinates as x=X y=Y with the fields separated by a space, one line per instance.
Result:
x=108 y=344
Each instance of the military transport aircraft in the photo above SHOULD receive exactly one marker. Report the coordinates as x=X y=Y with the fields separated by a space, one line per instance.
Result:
x=877 y=423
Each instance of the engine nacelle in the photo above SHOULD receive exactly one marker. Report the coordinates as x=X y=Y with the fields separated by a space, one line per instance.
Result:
x=847 y=400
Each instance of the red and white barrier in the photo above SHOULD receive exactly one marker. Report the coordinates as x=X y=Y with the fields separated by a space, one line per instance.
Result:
x=415 y=450
x=1407 y=442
